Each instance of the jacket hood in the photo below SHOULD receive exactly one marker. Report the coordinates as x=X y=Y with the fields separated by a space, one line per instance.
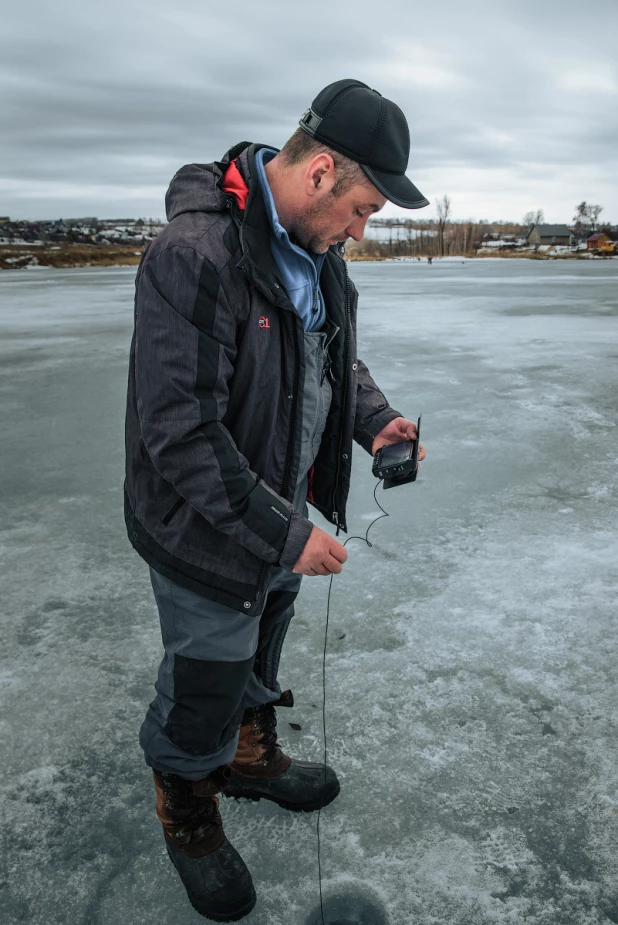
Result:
x=197 y=187
x=194 y=189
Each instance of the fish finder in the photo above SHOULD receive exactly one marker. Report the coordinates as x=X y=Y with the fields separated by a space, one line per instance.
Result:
x=397 y=463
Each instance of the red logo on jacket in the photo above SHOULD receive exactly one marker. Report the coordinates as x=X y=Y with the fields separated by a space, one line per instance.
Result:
x=263 y=322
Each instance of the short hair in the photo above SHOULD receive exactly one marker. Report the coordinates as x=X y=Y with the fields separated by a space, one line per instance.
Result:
x=302 y=146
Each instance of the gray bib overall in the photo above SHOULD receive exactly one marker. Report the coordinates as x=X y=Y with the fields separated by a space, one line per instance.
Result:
x=316 y=403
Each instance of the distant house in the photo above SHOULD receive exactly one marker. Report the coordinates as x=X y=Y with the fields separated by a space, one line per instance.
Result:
x=601 y=242
x=549 y=234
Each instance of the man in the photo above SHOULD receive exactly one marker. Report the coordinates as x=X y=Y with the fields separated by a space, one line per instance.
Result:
x=245 y=394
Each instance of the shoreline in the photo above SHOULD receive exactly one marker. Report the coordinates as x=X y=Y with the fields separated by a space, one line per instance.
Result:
x=68 y=256
x=470 y=257
x=75 y=256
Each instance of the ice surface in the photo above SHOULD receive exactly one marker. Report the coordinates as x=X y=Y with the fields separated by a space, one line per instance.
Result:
x=472 y=701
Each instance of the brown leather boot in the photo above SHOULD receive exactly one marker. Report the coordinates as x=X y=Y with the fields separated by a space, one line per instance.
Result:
x=258 y=753
x=261 y=769
x=217 y=881
x=189 y=812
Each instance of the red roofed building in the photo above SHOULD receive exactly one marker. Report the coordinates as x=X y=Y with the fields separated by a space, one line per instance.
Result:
x=601 y=242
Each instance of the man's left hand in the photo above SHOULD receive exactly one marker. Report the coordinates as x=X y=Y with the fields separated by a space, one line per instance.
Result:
x=396 y=431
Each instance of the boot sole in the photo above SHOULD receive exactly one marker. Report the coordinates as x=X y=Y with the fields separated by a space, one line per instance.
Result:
x=202 y=907
x=255 y=796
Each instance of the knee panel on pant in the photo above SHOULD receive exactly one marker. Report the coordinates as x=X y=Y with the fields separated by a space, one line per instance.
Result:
x=207 y=709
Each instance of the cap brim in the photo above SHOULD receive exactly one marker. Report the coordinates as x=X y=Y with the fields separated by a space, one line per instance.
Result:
x=397 y=188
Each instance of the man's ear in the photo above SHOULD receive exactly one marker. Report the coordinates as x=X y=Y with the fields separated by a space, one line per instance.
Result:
x=320 y=175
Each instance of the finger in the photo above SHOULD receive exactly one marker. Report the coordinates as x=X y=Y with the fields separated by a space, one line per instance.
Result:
x=339 y=552
x=317 y=569
x=333 y=565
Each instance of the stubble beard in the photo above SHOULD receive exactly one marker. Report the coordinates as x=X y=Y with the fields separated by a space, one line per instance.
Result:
x=303 y=229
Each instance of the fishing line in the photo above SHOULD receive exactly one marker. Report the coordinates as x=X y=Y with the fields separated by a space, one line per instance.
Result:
x=365 y=538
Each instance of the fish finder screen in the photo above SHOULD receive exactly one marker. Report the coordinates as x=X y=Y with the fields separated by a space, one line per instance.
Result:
x=397 y=453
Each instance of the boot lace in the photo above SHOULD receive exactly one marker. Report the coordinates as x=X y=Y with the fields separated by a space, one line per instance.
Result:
x=264 y=721
x=193 y=815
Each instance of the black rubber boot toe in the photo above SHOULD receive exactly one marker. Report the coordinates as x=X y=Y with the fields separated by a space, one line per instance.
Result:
x=303 y=787
x=219 y=885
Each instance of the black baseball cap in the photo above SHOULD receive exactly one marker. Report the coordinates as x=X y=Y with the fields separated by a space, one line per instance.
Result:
x=359 y=122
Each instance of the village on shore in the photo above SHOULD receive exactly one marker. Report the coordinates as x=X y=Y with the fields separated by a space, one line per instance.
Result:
x=83 y=242
x=533 y=238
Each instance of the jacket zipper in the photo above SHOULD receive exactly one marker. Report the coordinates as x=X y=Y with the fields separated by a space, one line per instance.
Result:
x=260 y=581
x=292 y=434
x=175 y=507
x=289 y=452
x=233 y=207
x=346 y=347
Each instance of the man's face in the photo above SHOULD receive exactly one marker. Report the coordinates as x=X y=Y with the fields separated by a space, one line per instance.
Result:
x=336 y=218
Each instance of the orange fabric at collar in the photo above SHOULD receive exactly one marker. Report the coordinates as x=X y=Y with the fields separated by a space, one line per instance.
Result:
x=234 y=183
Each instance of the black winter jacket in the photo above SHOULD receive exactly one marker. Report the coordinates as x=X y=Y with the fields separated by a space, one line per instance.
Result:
x=215 y=387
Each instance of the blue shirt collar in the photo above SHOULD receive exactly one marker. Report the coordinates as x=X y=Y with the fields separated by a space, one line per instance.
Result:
x=263 y=156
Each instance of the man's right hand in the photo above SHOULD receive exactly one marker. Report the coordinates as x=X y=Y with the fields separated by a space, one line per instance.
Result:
x=322 y=555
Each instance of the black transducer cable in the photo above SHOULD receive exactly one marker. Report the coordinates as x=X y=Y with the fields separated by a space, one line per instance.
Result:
x=365 y=538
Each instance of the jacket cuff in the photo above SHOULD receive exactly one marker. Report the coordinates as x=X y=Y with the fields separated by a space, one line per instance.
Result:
x=366 y=436
x=298 y=534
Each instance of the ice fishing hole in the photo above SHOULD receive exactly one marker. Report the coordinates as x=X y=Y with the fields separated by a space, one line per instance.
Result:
x=350 y=905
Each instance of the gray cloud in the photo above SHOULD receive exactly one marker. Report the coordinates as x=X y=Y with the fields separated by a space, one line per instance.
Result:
x=509 y=108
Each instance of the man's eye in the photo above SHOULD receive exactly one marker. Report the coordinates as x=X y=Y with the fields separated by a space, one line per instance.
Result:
x=359 y=213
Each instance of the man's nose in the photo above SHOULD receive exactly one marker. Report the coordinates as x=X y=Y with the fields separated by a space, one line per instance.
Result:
x=356 y=228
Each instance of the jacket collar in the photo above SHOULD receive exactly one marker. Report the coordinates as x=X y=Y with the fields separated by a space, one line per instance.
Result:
x=240 y=184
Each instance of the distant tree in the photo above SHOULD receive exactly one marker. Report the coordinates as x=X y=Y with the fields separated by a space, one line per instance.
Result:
x=586 y=216
x=444 y=210
x=581 y=216
x=534 y=218
x=594 y=212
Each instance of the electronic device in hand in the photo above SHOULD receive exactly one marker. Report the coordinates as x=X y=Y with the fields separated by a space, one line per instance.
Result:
x=397 y=463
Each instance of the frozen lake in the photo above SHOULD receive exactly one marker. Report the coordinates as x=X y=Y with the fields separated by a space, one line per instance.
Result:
x=471 y=673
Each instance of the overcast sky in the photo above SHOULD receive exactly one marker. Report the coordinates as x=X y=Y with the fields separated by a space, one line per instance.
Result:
x=512 y=106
